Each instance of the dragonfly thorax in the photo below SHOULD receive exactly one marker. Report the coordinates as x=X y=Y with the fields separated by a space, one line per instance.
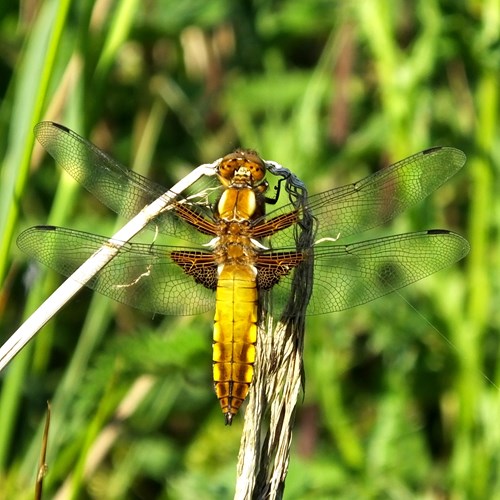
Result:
x=235 y=244
x=237 y=205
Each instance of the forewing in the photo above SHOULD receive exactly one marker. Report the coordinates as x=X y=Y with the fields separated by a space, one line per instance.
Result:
x=121 y=189
x=349 y=275
x=354 y=208
x=142 y=276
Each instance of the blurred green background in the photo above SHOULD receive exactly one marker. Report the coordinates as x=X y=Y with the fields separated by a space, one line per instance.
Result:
x=402 y=395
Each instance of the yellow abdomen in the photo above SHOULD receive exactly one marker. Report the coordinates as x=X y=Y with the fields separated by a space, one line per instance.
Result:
x=235 y=335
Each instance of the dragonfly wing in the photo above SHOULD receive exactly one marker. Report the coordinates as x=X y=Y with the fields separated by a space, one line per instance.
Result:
x=140 y=275
x=349 y=275
x=378 y=198
x=121 y=189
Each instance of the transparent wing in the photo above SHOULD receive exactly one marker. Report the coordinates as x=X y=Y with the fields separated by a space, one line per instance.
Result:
x=142 y=276
x=145 y=277
x=121 y=189
x=349 y=275
x=378 y=198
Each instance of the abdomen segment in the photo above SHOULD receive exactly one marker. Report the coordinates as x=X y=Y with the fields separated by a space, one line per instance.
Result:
x=235 y=335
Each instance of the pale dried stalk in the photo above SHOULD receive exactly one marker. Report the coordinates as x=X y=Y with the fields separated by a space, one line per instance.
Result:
x=94 y=264
x=265 y=445
x=269 y=417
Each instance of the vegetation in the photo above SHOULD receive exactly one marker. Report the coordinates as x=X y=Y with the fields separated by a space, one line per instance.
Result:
x=402 y=395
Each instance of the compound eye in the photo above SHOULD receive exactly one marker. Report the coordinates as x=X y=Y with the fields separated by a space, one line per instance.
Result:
x=258 y=172
x=255 y=165
x=227 y=168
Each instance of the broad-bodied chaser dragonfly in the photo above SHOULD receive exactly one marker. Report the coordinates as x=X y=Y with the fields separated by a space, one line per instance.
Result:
x=240 y=260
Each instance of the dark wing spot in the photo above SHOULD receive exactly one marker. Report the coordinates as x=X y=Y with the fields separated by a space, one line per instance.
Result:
x=390 y=275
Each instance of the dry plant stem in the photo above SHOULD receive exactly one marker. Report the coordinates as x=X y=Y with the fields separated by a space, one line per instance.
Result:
x=283 y=392
x=42 y=465
x=269 y=417
x=263 y=461
x=94 y=264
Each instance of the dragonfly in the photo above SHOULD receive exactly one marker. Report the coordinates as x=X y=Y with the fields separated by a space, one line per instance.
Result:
x=233 y=249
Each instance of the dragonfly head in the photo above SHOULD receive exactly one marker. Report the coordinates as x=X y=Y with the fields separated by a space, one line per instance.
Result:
x=242 y=168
